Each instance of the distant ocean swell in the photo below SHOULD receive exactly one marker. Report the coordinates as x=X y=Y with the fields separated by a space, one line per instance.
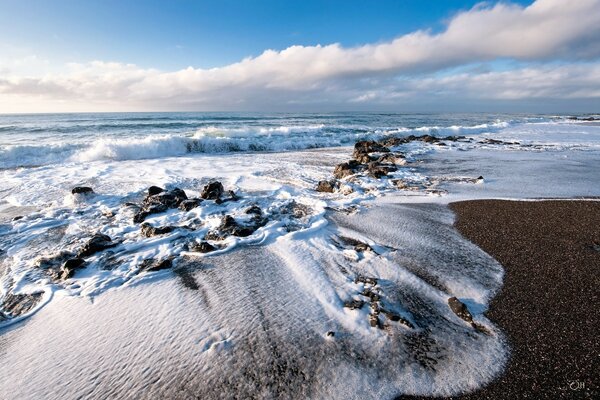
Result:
x=213 y=140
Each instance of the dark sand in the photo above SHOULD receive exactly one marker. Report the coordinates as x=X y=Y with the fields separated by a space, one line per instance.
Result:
x=549 y=303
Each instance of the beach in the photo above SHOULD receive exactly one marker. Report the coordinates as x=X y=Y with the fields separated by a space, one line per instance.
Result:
x=182 y=255
x=548 y=304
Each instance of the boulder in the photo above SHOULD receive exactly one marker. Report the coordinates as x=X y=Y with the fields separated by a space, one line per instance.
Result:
x=82 y=190
x=377 y=170
x=152 y=190
x=345 y=169
x=189 y=204
x=326 y=186
x=97 y=243
x=159 y=202
x=212 y=191
x=149 y=230
x=253 y=209
x=354 y=304
x=202 y=247
x=70 y=266
x=229 y=227
x=368 y=146
x=460 y=309
x=365 y=279
x=156 y=265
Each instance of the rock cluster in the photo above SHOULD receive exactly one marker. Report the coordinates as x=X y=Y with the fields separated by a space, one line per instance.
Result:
x=372 y=292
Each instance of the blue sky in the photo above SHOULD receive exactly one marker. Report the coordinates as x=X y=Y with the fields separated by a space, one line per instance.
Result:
x=67 y=55
x=177 y=34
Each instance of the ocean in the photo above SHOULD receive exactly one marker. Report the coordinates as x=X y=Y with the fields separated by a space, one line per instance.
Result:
x=302 y=293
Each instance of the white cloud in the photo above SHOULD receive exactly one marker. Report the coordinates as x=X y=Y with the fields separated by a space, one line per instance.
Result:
x=546 y=31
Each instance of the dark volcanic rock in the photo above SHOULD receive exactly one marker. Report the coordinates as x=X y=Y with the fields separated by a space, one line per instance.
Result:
x=202 y=247
x=365 y=279
x=152 y=190
x=368 y=146
x=212 y=191
x=377 y=170
x=354 y=304
x=70 y=266
x=326 y=186
x=97 y=243
x=357 y=244
x=159 y=202
x=190 y=204
x=82 y=190
x=156 y=265
x=19 y=304
x=345 y=169
x=460 y=309
x=149 y=230
x=229 y=227
x=253 y=209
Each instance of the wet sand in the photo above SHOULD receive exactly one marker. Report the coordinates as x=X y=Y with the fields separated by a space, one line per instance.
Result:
x=549 y=304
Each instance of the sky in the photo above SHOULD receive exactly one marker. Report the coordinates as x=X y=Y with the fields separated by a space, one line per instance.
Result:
x=402 y=56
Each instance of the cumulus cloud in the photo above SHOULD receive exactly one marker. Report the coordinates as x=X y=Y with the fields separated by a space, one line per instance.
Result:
x=541 y=34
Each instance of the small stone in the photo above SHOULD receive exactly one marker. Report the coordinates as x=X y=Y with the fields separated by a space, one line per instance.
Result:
x=97 y=243
x=460 y=309
x=156 y=265
x=202 y=247
x=354 y=304
x=152 y=190
x=326 y=186
x=331 y=333
x=82 y=190
x=212 y=191
x=149 y=230
x=190 y=204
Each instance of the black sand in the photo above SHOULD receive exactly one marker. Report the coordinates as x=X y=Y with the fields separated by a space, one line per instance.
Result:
x=549 y=305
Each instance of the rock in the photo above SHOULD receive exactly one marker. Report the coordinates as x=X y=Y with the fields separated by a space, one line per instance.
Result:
x=357 y=244
x=149 y=230
x=354 y=304
x=189 y=204
x=387 y=158
x=169 y=199
x=228 y=227
x=365 y=279
x=397 y=318
x=15 y=305
x=343 y=170
x=202 y=247
x=374 y=321
x=371 y=295
x=363 y=158
x=152 y=190
x=232 y=195
x=368 y=146
x=159 y=202
x=428 y=139
x=377 y=170
x=326 y=186
x=253 y=209
x=18 y=217
x=70 y=266
x=212 y=191
x=460 y=309
x=82 y=190
x=156 y=265
x=480 y=178
x=331 y=334
x=97 y=243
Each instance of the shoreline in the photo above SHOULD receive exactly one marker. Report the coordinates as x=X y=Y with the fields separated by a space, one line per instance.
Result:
x=547 y=305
